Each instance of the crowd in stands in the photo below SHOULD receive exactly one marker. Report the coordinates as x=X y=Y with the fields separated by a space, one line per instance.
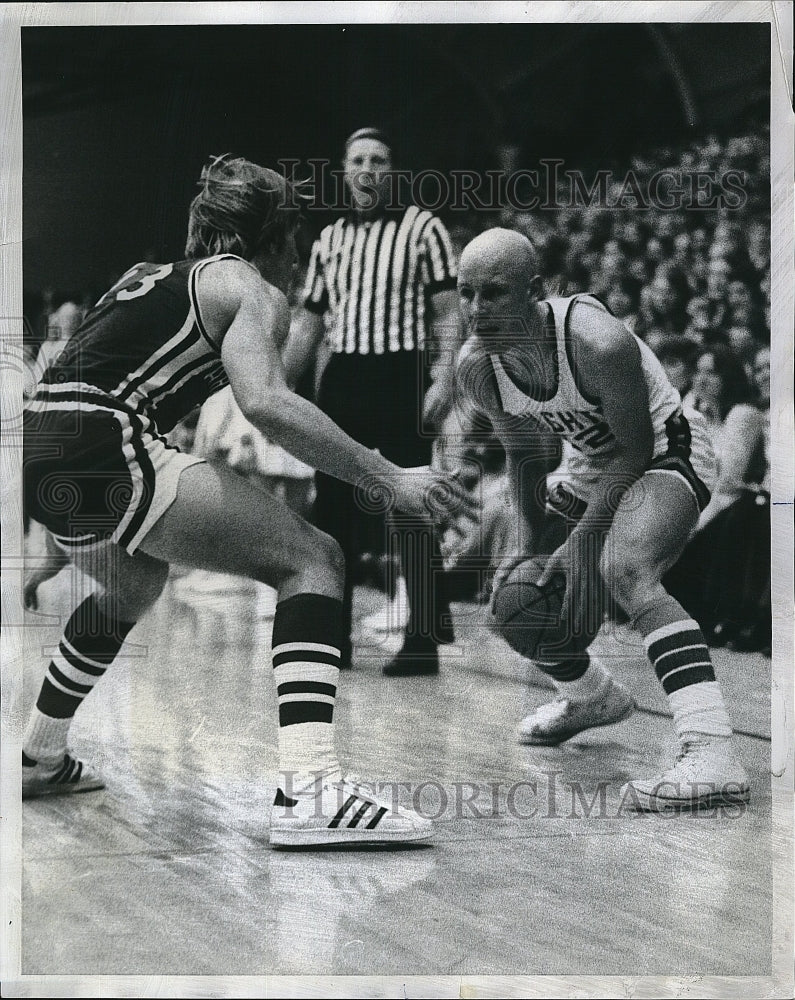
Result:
x=694 y=284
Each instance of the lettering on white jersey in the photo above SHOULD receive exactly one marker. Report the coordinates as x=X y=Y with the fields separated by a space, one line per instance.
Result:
x=586 y=429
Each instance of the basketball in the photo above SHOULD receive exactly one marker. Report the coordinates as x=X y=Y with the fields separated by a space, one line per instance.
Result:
x=530 y=618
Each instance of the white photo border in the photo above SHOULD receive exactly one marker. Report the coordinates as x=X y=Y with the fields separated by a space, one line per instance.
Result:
x=13 y=16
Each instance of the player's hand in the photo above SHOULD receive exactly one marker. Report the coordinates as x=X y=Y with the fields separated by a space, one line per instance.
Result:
x=30 y=593
x=35 y=576
x=571 y=561
x=440 y=496
x=34 y=579
x=507 y=565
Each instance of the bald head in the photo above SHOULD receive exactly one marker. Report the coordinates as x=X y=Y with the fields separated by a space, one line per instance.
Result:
x=503 y=249
x=498 y=282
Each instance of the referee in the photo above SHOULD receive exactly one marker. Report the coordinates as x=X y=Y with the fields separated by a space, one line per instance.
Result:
x=381 y=281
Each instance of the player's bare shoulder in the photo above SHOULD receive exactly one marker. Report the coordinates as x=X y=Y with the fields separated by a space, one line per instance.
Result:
x=602 y=345
x=228 y=285
x=595 y=328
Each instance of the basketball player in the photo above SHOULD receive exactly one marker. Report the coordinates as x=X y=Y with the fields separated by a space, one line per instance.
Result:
x=99 y=475
x=634 y=475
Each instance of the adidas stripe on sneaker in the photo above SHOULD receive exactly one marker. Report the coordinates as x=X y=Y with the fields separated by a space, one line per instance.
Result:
x=341 y=812
x=64 y=776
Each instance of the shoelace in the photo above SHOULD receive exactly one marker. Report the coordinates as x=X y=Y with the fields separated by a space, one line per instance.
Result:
x=367 y=790
x=359 y=784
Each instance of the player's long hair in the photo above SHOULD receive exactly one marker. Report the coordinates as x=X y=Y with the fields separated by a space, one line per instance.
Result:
x=240 y=209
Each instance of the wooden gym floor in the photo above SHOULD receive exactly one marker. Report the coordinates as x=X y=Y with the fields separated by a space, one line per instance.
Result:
x=168 y=871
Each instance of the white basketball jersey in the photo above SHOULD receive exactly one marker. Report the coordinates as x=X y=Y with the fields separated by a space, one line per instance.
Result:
x=571 y=415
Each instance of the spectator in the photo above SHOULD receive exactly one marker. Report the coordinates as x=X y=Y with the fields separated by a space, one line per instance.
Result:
x=699 y=241
x=723 y=575
x=655 y=251
x=761 y=378
x=697 y=273
x=630 y=234
x=759 y=247
x=699 y=328
x=612 y=268
x=677 y=356
x=744 y=312
x=719 y=385
x=729 y=245
x=61 y=324
x=718 y=275
x=223 y=435
x=663 y=303
x=743 y=343
x=639 y=270
x=623 y=299
x=681 y=253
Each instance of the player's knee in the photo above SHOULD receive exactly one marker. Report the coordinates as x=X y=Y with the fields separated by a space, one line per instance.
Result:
x=315 y=552
x=329 y=551
x=626 y=578
x=139 y=590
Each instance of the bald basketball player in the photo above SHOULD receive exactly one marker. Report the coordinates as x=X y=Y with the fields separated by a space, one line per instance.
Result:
x=567 y=386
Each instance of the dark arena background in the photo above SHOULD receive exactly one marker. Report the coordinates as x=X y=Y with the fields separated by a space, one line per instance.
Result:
x=118 y=121
x=636 y=157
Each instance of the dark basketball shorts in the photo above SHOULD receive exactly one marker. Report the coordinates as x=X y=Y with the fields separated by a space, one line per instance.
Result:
x=96 y=471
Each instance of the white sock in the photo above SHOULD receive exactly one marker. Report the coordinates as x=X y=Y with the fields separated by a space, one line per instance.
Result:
x=305 y=650
x=593 y=683
x=45 y=737
x=306 y=749
x=306 y=752
x=699 y=710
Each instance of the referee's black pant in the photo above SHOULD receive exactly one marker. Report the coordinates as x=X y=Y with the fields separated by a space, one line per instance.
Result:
x=377 y=400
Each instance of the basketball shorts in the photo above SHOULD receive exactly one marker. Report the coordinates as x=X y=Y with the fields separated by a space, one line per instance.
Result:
x=684 y=451
x=94 y=470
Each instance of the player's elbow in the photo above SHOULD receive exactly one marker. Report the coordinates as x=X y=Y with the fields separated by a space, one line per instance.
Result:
x=267 y=410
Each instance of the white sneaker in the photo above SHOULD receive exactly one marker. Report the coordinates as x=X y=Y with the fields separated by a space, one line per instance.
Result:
x=342 y=812
x=64 y=775
x=563 y=718
x=706 y=773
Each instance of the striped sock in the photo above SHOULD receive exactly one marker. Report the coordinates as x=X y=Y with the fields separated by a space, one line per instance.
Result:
x=90 y=643
x=307 y=633
x=677 y=650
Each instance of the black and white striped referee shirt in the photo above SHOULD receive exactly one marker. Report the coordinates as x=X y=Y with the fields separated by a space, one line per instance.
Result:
x=373 y=278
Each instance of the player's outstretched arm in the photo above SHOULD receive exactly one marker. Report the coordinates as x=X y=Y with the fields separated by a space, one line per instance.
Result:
x=249 y=318
x=306 y=332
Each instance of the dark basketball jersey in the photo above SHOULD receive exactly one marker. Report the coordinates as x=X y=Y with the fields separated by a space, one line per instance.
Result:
x=144 y=345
